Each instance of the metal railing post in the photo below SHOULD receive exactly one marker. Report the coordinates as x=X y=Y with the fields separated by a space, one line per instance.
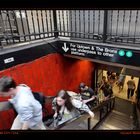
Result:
x=105 y=26
x=56 y=33
x=89 y=119
x=110 y=106
x=100 y=114
x=107 y=108
x=113 y=103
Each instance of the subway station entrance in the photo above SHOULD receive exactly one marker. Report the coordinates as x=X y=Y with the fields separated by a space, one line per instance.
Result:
x=51 y=50
x=123 y=113
x=118 y=112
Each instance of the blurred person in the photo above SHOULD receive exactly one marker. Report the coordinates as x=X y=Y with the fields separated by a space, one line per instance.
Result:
x=112 y=78
x=107 y=90
x=66 y=107
x=29 y=110
x=121 y=79
x=109 y=73
x=103 y=81
x=87 y=94
x=131 y=87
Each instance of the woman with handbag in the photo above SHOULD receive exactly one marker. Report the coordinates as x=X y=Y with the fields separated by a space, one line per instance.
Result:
x=66 y=107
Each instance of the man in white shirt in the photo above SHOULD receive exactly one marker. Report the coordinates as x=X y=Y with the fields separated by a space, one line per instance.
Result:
x=28 y=108
x=131 y=87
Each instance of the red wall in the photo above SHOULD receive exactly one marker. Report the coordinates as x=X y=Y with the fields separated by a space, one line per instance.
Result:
x=51 y=73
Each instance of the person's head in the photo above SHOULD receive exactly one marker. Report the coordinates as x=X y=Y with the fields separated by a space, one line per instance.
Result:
x=63 y=99
x=7 y=86
x=132 y=77
x=83 y=87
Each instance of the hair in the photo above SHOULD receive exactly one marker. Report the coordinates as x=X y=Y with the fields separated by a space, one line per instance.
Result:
x=82 y=85
x=132 y=77
x=65 y=96
x=6 y=83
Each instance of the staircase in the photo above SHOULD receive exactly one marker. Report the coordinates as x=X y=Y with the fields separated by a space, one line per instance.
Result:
x=117 y=121
x=121 y=118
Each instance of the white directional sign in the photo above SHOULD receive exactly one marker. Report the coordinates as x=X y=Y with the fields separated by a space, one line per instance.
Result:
x=65 y=47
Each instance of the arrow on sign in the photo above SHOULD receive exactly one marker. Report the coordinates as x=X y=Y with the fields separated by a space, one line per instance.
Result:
x=65 y=47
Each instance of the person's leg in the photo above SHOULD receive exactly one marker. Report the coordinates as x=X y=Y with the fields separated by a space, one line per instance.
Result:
x=17 y=125
x=120 y=87
x=40 y=126
x=132 y=92
x=128 y=93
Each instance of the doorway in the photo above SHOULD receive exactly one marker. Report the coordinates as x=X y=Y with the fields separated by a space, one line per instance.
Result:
x=123 y=93
x=101 y=70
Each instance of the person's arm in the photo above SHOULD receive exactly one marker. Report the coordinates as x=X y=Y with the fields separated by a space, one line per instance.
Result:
x=102 y=83
x=134 y=86
x=74 y=95
x=82 y=106
x=90 y=90
x=54 y=107
x=88 y=100
x=107 y=97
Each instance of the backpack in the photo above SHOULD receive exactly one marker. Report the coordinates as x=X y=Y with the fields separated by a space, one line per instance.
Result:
x=37 y=95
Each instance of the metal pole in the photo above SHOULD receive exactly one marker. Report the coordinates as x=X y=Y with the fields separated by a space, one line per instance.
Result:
x=113 y=103
x=110 y=107
x=101 y=114
x=56 y=33
x=105 y=26
x=107 y=108
x=89 y=119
